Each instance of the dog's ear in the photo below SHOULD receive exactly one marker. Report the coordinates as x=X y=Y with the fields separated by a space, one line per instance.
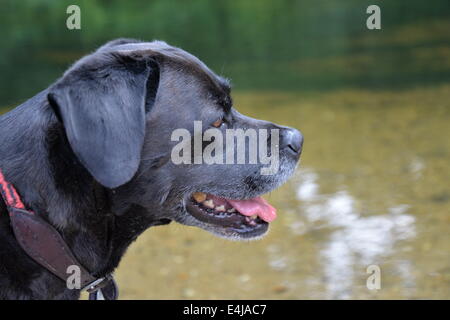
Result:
x=102 y=101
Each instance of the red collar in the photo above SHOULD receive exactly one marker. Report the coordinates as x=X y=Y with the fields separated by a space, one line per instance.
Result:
x=10 y=195
x=42 y=242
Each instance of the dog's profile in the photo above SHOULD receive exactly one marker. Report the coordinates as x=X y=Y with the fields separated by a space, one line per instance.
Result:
x=91 y=155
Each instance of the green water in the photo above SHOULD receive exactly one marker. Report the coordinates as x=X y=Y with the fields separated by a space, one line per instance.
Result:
x=297 y=45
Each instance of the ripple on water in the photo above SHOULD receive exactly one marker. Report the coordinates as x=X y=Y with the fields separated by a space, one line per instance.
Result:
x=356 y=240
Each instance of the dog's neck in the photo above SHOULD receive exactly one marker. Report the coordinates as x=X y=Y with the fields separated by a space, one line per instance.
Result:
x=53 y=184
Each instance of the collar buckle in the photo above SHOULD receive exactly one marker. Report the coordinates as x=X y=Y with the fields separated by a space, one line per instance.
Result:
x=97 y=284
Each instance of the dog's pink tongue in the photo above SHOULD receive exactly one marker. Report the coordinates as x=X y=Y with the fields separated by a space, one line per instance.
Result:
x=257 y=206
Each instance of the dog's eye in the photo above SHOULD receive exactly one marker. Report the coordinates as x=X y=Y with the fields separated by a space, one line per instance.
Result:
x=218 y=123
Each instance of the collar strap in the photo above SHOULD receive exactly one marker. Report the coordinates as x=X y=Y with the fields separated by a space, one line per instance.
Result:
x=43 y=243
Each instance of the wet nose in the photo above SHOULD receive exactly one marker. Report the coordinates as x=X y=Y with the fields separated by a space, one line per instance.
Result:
x=292 y=140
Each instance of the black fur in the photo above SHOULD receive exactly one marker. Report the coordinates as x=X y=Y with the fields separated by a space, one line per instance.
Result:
x=91 y=155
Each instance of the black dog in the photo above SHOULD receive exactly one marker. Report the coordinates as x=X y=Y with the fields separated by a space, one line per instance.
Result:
x=92 y=156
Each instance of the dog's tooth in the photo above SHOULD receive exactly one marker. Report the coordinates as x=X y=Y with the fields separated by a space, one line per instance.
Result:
x=250 y=220
x=199 y=196
x=254 y=216
x=220 y=208
x=208 y=204
x=231 y=210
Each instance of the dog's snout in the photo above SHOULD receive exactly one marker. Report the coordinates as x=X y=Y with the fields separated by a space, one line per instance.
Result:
x=292 y=140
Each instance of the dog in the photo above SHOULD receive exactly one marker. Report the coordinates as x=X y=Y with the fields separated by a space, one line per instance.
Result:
x=91 y=155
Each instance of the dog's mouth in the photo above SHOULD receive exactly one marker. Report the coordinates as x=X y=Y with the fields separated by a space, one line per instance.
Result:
x=243 y=218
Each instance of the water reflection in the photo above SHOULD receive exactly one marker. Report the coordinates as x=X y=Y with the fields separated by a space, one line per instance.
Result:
x=357 y=241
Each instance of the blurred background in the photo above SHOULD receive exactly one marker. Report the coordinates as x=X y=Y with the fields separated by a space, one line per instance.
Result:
x=373 y=105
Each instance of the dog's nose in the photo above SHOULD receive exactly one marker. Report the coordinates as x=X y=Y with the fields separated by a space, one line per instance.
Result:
x=291 y=139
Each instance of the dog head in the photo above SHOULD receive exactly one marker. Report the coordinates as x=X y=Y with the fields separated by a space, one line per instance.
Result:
x=158 y=129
